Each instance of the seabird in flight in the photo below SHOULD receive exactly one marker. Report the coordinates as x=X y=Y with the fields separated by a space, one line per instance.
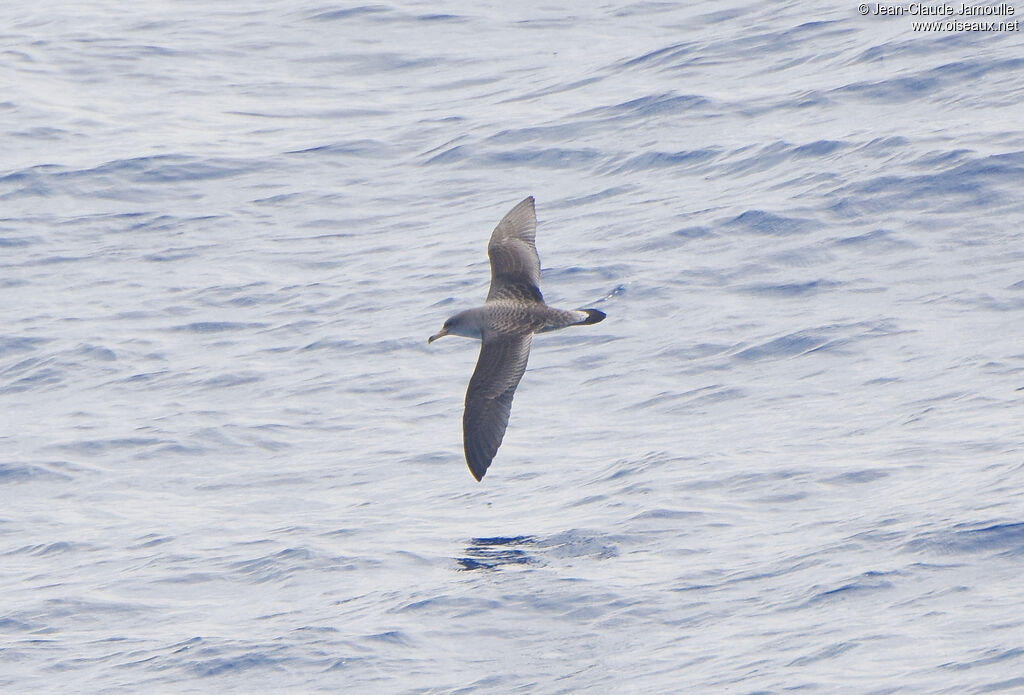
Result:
x=505 y=324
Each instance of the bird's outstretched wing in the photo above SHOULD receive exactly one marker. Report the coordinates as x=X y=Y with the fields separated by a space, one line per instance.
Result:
x=515 y=265
x=499 y=368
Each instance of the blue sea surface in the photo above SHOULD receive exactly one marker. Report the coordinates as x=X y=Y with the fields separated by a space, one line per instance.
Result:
x=791 y=459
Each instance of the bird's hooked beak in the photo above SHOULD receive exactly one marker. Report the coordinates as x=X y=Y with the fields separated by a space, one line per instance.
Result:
x=440 y=334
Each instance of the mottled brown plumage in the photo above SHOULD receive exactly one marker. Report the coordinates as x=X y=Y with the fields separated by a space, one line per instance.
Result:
x=505 y=324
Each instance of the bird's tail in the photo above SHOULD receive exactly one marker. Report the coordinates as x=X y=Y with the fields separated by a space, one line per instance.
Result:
x=593 y=316
x=574 y=317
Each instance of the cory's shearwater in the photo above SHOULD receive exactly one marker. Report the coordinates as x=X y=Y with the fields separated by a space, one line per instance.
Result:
x=505 y=324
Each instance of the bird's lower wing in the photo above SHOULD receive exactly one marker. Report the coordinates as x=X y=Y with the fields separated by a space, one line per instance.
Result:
x=499 y=368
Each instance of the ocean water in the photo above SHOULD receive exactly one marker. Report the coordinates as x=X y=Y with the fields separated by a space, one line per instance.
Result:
x=791 y=459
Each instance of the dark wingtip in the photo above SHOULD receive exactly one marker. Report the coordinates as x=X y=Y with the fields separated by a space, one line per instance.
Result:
x=477 y=461
x=593 y=316
x=478 y=471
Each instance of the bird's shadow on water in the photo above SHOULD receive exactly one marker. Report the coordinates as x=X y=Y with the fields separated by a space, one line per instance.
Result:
x=507 y=551
x=498 y=552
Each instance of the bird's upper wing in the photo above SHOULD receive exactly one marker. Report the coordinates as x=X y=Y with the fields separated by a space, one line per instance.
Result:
x=515 y=265
x=499 y=368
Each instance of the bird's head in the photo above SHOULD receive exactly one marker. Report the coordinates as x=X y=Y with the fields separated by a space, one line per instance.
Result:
x=465 y=323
